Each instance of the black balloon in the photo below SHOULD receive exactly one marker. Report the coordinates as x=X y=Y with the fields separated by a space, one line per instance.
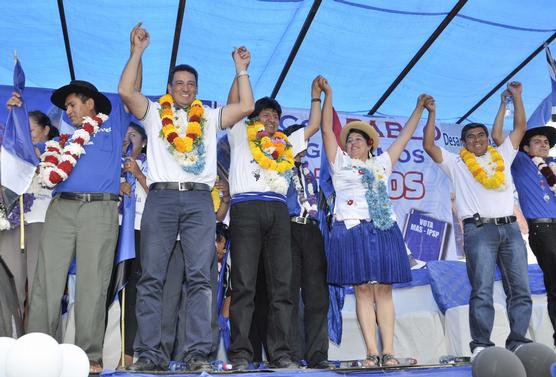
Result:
x=536 y=358
x=497 y=362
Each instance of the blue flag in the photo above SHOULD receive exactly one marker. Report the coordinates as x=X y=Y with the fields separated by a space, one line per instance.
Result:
x=18 y=158
x=126 y=239
x=546 y=111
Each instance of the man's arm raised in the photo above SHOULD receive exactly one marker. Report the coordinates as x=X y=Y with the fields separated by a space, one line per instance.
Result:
x=235 y=111
x=127 y=87
x=315 y=114
x=520 y=121
x=428 y=136
x=498 y=126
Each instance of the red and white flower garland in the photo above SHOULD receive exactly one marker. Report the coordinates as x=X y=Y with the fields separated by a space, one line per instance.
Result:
x=60 y=157
x=547 y=170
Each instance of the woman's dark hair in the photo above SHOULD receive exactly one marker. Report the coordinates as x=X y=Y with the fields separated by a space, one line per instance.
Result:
x=44 y=121
x=222 y=231
x=141 y=131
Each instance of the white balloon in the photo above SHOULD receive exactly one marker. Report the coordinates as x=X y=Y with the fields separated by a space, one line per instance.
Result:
x=5 y=345
x=75 y=361
x=33 y=355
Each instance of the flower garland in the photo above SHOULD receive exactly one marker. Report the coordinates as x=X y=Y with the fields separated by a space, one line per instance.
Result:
x=378 y=201
x=60 y=157
x=548 y=170
x=309 y=202
x=187 y=150
x=273 y=153
x=490 y=174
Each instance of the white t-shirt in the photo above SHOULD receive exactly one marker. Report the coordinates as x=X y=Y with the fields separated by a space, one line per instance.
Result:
x=471 y=196
x=351 y=203
x=245 y=173
x=162 y=165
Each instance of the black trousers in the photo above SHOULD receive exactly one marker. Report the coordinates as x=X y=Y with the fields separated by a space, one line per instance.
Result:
x=309 y=276
x=260 y=230
x=542 y=239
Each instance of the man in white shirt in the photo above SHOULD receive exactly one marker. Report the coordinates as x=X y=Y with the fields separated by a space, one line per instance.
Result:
x=482 y=179
x=182 y=169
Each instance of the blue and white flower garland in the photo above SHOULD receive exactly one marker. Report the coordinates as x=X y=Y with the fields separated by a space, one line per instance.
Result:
x=378 y=201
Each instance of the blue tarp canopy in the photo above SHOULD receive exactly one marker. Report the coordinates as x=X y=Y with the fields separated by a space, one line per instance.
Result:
x=361 y=46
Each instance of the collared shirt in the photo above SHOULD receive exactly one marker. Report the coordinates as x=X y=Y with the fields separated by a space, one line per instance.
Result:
x=163 y=167
x=294 y=206
x=532 y=188
x=471 y=196
x=98 y=169
x=245 y=173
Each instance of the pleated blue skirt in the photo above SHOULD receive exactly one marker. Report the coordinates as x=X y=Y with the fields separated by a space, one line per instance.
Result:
x=364 y=254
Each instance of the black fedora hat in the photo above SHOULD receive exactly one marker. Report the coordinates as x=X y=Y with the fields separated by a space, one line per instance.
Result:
x=102 y=103
x=549 y=132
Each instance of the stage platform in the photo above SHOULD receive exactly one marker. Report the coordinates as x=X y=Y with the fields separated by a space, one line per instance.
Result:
x=414 y=371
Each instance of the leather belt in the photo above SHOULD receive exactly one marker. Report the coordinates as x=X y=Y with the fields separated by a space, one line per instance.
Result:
x=492 y=220
x=303 y=220
x=89 y=196
x=180 y=186
x=542 y=220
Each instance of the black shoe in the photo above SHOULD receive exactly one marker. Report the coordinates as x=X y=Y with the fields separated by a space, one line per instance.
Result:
x=239 y=364
x=144 y=365
x=323 y=364
x=285 y=363
x=198 y=364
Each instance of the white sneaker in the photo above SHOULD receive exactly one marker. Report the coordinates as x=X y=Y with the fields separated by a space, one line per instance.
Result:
x=476 y=352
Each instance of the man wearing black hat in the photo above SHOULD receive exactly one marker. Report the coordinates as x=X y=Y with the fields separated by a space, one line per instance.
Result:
x=534 y=176
x=82 y=218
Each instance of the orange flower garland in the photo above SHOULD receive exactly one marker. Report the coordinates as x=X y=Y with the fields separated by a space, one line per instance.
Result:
x=273 y=152
x=497 y=180
x=193 y=132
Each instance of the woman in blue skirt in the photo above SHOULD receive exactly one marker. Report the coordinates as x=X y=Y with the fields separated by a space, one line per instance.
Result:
x=366 y=248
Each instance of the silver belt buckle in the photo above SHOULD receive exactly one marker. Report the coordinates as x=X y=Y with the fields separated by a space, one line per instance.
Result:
x=182 y=186
x=503 y=220
x=303 y=220
x=87 y=197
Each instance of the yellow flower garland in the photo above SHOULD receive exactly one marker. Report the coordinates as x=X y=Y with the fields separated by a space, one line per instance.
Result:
x=182 y=144
x=493 y=182
x=280 y=159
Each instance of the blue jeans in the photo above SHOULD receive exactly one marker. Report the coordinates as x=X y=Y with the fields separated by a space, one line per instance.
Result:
x=485 y=247
x=191 y=215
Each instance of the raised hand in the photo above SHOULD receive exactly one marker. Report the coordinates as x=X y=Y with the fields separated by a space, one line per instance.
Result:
x=139 y=38
x=324 y=85
x=15 y=100
x=430 y=104
x=421 y=100
x=515 y=88
x=242 y=58
x=505 y=94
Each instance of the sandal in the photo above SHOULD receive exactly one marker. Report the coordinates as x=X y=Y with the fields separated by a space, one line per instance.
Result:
x=371 y=361
x=389 y=360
